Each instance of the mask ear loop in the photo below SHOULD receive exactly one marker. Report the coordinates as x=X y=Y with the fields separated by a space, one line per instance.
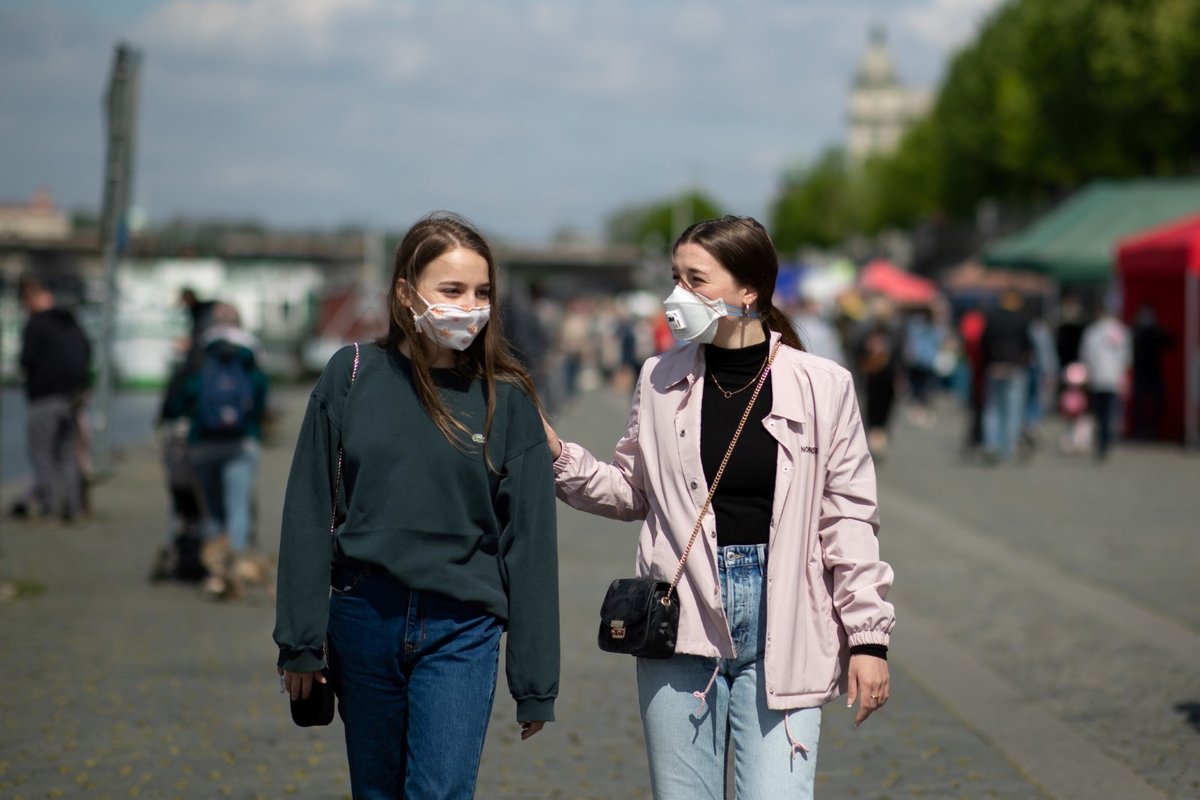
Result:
x=409 y=302
x=744 y=312
x=427 y=304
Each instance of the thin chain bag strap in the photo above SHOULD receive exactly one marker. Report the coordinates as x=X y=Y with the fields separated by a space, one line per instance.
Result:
x=337 y=481
x=717 y=478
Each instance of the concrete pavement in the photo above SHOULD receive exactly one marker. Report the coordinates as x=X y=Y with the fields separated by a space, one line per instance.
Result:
x=1047 y=645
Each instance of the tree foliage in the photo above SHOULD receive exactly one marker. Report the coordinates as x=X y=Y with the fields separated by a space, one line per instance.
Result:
x=1054 y=94
x=655 y=226
x=1048 y=96
x=817 y=205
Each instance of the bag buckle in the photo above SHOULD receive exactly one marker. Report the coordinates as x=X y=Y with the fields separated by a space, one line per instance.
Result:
x=616 y=629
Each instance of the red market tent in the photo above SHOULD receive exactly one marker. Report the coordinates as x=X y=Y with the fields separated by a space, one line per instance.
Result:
x=904 y=288
x=1161 y=267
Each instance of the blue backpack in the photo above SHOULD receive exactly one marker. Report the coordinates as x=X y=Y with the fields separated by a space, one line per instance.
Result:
x=226 y=401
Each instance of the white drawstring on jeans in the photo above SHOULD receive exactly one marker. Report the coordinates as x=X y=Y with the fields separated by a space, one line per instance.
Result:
x=702 y=696
x=795 y=745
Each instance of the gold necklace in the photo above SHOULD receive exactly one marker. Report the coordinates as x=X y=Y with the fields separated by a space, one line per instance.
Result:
x=728 y=394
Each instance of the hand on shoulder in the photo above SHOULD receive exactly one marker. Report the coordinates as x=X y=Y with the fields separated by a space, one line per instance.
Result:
x=552 y=439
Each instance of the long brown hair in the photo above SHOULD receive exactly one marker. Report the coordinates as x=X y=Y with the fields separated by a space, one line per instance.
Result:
x=488 y=358
x=743 y=246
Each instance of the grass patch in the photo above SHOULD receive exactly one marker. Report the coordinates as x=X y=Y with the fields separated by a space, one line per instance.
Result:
x=21 y=588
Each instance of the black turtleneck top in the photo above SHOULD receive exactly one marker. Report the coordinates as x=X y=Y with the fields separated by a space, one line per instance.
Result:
x=746 y=492
x=747 y=489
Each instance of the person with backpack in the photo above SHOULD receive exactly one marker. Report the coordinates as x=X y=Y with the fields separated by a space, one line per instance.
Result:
x=226 y=396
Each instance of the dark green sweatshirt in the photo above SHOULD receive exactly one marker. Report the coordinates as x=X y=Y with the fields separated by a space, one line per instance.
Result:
x=433 y=515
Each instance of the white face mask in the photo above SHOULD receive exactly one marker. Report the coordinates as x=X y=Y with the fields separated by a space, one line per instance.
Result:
x=693 y=318
x=451 y=326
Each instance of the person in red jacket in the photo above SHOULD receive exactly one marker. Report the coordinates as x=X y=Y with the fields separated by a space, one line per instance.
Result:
x=970 y=330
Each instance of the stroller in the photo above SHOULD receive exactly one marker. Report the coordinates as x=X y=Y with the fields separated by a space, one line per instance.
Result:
x=181 y=557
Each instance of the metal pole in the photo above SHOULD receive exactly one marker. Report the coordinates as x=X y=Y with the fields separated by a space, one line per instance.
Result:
x=120 y=105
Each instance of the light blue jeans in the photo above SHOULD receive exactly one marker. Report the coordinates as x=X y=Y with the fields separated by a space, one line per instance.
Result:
x=226 y=473
x=685 y=740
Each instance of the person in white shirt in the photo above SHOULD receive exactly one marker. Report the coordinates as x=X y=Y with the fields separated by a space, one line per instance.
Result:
x=1106 y=351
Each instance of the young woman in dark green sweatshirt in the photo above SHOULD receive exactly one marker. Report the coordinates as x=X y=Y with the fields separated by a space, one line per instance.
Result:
x=444 y=530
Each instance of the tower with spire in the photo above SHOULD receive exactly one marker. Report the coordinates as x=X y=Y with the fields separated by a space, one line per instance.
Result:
x=881 y=107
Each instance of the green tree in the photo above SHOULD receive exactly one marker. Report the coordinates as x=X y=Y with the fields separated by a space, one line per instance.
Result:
x=1051 y=95
x=1047 y=97
x=655 y=226
x=901 y=189
x=819 y=205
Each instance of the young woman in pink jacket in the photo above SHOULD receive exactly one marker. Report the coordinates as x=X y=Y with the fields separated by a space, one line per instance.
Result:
x=782 y=598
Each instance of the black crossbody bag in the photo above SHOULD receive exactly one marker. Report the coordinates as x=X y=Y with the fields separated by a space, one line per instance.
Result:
x=640 y=616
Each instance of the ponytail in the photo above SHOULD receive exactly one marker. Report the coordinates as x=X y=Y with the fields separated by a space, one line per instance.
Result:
x=779 y=322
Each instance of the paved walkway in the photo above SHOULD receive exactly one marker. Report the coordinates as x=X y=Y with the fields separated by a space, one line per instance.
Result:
x=1047 y=647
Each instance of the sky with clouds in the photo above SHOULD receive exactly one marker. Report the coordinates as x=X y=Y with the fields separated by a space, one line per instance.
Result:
x=528 y=116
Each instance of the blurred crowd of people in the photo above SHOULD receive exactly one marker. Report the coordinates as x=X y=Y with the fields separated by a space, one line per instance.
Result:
x=584 y=342
x=1013 y=362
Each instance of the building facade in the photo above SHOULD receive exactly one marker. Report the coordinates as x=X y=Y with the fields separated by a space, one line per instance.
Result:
x=37 y=219
x=881 y=107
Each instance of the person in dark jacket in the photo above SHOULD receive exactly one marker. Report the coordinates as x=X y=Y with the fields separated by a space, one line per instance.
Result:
x=1069 y=335
x=200 y=312
x=55 y=359
x=1006 y=350
x=877 y=360
x=429 y=443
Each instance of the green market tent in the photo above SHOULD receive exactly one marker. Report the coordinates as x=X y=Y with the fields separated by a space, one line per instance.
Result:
x=1076 y=242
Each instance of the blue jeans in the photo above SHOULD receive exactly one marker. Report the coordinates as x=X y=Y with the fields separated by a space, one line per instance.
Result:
x=415 y=676
x=1003 y=412
x=1033 y=398
x=685 y=740
x=226 y=474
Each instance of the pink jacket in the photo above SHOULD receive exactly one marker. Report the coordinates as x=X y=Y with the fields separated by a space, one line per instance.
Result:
x=826 y=586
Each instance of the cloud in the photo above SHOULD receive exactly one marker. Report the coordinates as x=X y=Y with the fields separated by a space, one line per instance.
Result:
x=947 y=25
x=260 y=30
x=531 y=114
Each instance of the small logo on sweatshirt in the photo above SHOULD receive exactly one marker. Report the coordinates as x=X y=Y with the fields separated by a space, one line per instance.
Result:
x=477 y=438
